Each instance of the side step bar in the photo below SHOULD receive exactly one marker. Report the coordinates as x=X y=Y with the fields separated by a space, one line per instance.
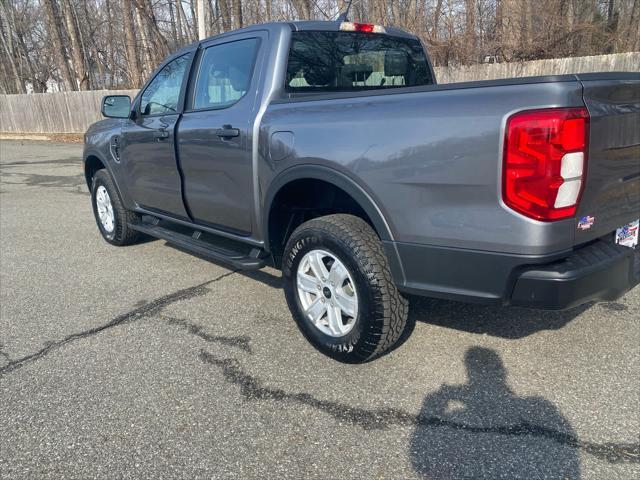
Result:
x=242 y=257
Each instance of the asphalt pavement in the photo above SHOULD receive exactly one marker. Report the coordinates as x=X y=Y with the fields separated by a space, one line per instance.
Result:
x=148 y=362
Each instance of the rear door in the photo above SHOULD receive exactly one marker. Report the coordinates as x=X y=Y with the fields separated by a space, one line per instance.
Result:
x=147 y=142
x=214 y=139
x=612 y=190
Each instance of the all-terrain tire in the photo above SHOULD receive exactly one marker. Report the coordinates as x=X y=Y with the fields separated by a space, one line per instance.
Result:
x=121 y=234
x=382 y=310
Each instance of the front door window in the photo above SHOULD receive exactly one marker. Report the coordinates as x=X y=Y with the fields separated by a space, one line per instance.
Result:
x=162 y=94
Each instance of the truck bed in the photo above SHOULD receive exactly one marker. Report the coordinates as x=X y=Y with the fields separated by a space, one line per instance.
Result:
x=442 y=187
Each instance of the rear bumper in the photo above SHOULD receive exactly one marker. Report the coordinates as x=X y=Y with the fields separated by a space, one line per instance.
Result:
x=598 y=271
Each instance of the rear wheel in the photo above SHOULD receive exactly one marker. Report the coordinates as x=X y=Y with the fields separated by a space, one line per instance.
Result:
x=339 y=288
x=111 y=216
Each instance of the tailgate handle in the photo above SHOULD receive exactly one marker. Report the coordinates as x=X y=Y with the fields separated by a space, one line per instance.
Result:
x=227 y=131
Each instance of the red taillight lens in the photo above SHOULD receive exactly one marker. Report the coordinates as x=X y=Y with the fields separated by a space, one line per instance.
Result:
x=545 y=159
x=364 y=27
x=361 y=27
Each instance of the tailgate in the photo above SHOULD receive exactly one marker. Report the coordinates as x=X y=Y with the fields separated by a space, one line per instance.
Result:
x=612 y=191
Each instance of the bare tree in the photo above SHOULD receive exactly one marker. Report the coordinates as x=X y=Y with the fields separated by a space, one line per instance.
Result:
x=470 y=29
x=237 y=14
x=130 y=39
x=632 y=40
x=9 y=63
x=80 y=44
x=225 y=13
x=78 y=54
x=56 y=37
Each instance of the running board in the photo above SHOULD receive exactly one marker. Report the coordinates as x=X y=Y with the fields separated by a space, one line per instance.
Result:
x=240 y=256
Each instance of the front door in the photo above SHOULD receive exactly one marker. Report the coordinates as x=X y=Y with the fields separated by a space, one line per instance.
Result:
x=147 y=143
x=214 y=134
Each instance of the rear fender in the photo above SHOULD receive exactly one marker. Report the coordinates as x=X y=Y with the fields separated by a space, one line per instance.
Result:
x=352 y=188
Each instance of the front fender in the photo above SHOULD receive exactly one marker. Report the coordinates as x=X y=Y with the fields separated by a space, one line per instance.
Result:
x=108 y=163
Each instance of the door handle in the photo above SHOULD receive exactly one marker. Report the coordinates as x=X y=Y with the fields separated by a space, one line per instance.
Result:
x=227 y=131
x=161 y=133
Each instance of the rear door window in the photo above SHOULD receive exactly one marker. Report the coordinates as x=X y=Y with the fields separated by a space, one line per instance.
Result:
x=349 y=61
x=225 y=74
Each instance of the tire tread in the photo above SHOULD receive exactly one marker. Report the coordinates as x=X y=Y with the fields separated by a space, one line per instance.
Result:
x=124 y=234
x=391 y=307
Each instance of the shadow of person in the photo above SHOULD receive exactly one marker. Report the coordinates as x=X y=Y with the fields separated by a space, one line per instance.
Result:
x=481 y=429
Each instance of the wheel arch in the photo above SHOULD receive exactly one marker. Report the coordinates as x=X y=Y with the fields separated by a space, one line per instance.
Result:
x=338 y=180
x=94 y=161
x=343 y=183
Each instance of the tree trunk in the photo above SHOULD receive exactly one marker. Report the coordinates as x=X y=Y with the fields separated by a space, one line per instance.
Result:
x=154 y=35
x=436 y=20
x=193 y=17
x=132 y=47
x=470 y=31
x=214 y=12
x=183 y=24
x=610 y=7
x=17 y=82
x=6 y=83
x=303 y=8
x=237 y=14
x=511 y=28
x=7 y=26
x=147 y=60
x=633 y=32
x=22 y=52
x=77 y=49
x=525 y=30
x=112 y=56
x=202 y=20
x=55 y=35
x=101 y=62
x=226 y=15
x=179 y=14
x=612 y=27
x=172 y=19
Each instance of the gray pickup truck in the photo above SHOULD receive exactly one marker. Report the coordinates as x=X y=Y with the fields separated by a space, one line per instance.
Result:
x=326 y=149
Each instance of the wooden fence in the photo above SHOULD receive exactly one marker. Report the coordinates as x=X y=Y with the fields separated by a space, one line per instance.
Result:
x=619 y=62
x=60 y=112
x=73 y=112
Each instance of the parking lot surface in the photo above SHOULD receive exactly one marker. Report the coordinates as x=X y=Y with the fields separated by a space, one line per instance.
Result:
x=148 y=362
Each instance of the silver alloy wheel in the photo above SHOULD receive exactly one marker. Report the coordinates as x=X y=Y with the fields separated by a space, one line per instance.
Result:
x=105 y=209
x=327 y=293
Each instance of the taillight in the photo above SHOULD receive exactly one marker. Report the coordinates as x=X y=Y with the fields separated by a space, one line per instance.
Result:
x=361 y=27
x=545 y=160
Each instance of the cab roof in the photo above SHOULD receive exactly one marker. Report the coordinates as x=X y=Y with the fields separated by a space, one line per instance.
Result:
x=296 y=26
x=305 y=25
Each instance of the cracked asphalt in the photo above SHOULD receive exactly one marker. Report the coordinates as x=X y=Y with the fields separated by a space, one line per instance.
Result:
x=147 y=362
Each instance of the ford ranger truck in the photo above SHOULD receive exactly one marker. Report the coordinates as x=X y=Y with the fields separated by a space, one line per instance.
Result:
x=327 y=150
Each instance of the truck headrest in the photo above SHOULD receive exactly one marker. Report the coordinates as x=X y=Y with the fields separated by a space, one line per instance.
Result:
x=318 y=76
x=239 y=79
x=395 y=64
x=356 y=72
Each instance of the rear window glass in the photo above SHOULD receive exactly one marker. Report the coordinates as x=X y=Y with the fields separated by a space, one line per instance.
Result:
x=348 y=61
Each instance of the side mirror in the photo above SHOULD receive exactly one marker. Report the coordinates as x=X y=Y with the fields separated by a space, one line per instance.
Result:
x=116 y=106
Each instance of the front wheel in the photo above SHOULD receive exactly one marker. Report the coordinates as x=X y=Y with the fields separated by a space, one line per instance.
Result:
x=339 y=288
x=111 y=216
